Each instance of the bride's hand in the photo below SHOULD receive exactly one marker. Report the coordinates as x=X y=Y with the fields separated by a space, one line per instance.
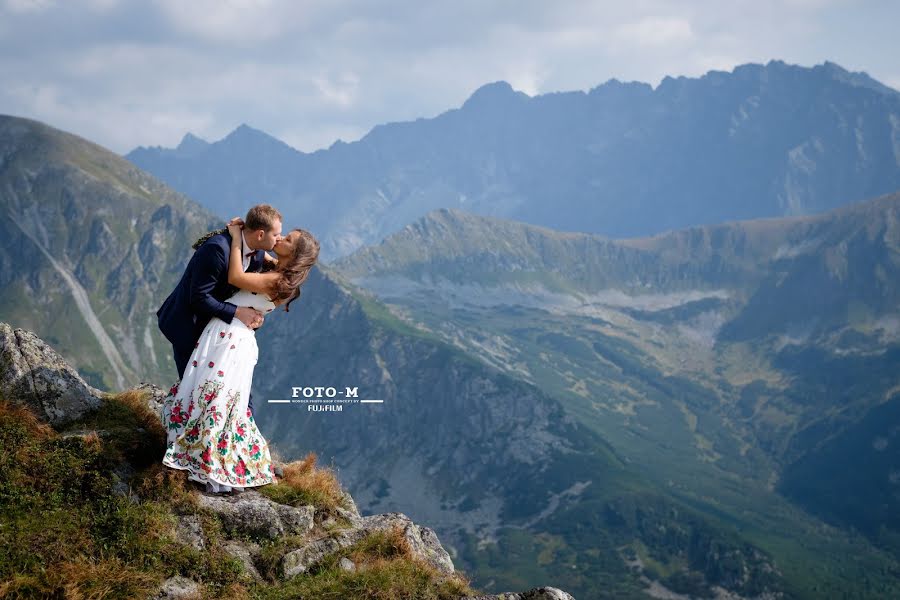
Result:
x=235 y=229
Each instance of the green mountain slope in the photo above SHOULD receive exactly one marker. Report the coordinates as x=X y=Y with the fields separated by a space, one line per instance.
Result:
x=727 y=363
x=490 y=460
x=92 y=246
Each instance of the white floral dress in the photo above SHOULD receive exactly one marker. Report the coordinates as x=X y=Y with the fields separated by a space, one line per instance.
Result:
x=211 y=432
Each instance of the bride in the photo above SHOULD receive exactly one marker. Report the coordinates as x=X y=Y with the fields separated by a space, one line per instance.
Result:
x=211 y=432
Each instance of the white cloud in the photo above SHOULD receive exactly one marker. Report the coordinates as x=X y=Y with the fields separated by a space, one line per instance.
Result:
x=102 y=5
x=137 y=73
x=27 y=6
x=340 y=90
x=231 y=21
x=656 y=31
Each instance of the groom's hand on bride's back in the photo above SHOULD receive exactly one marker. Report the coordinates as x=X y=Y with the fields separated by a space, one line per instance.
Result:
x=250 y=317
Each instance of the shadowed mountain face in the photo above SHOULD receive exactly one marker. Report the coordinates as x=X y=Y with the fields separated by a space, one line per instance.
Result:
x=517 y=488
x=623 y=159
x=92 y=245
x=742 y=364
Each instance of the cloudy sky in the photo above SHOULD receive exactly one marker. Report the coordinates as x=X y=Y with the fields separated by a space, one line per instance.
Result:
x=125 y=73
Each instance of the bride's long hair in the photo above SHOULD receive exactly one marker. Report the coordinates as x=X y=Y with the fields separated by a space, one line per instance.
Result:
x=295 y=268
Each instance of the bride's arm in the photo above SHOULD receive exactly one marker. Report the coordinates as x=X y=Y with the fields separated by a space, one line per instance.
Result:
x=260 y=283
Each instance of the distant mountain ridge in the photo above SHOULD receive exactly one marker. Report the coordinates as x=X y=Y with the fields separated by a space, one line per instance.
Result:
x=622 y=160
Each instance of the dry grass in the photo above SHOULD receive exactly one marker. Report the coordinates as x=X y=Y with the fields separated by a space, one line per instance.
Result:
x=162 y=484
x=146 y=419
x=304 y=483
x=385 y=545
x=86 y=580
x=36 y=428
x=68 y=535
x=61 y=565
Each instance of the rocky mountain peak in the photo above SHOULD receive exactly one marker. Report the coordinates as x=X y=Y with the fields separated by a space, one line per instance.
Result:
x=191 y=145
x=493 y=96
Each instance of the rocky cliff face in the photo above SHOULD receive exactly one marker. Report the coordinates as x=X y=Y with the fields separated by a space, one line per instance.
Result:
x=454 y=442
x=494 y=463
x=249 y=524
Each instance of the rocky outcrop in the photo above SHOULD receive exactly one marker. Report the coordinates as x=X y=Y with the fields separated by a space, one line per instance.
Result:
x=423 y=543
x=541 y=593
x=34 y=375
x=252 y=516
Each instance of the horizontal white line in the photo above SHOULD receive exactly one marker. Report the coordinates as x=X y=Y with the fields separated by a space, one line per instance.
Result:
x=371 y=400
x=274 y=401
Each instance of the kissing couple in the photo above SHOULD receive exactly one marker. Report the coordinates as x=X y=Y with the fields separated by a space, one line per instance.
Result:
x=229 y=285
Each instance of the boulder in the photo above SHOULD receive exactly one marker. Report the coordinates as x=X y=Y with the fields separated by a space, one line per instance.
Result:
x=253 y=515
x=178 y=588
x=155 y=395
x=244 y=552
x=540 y=593
x=423 y=543
x=34 y=375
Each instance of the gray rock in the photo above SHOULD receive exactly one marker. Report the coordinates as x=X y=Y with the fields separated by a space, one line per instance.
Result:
x=351 y=506
x=155 y=396
x=245 y=554
x=178 y=588
x=540 y=593
x=347 y=564
x=34 y=375
x=254 y=515
x=296 y=519
x=121 y=476
x=423 y=543
x=299 y=561
x=189 y=532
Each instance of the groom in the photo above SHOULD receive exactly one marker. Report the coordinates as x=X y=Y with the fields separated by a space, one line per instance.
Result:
x=200 y=294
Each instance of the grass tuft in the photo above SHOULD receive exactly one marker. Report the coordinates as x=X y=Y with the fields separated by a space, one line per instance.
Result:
x=304 y=484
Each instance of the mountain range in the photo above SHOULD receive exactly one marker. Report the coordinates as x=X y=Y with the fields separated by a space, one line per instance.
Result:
x=623 y=159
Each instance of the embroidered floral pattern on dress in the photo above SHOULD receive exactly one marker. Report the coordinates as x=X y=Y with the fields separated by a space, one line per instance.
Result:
x=210 y=430
x=211 y=438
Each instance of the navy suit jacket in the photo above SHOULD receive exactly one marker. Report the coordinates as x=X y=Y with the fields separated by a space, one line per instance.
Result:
x=200 y=294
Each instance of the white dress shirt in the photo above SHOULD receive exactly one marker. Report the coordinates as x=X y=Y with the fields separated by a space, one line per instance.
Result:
x=245 y=248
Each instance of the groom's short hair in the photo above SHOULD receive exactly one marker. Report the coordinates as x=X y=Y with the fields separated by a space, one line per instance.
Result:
x=262 y=216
